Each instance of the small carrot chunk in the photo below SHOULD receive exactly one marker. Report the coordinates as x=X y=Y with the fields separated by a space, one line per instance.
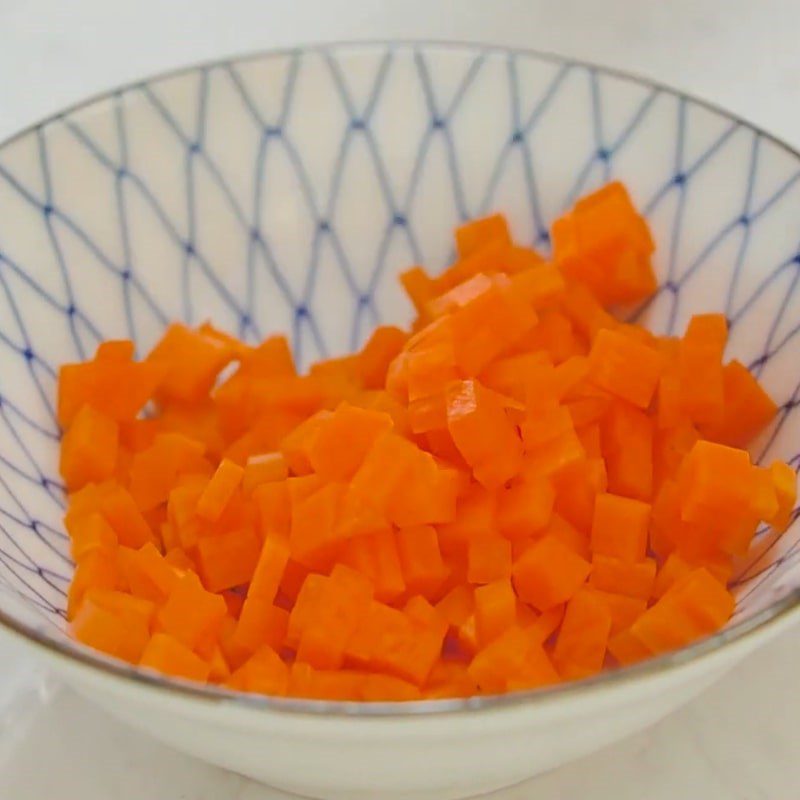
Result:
x=264 y=468
x=549 y=573
x=624 y=367
x=488 y=559
x=109 y=632
x=633 y=579
x=525 y=508
x=166 y=654
x=264 y=673
x=191 y=360
x=191 y=614
x=694 y=607
x=228 y=559
x=514 y=660
x=424 y=570
x=473 y=235
x=581 y=643
x=89 y=449
x=619 y=527
x=219 y=490
x=495 y=610
x=483 y=433
x=746 y=408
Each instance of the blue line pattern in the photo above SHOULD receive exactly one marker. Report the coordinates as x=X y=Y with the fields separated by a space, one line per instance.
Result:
x=283 y=192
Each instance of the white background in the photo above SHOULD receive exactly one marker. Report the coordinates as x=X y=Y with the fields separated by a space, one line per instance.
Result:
x=740 y=739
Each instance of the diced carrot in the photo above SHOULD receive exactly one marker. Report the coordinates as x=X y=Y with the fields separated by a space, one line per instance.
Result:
x=525 y=508
x=393 y=643
x=589 y=436
x=166 y=654
x=475 y=514
x=263 y=672
x=784 y=481
x=387 y=688
x=485 y=503
x=304 y=608
x=475 y=344
x=191 y=614
x=314 y=535
x=384 y=468
x=633 y=579
x=540 y=285
x=449 y=679
x=549 y=573
x=229 y=559
x=509 y=375
x=581 y=643
x=147 y=572
x=627 y=648
x=420 y=611
x=271 y=359
x=625 y=368
x=458 y=605
x=627 y=445
x=515 y=656
x=554 y=335
x=619 y=527
x=219 y=491
x=296 y=445
x=133 y=611
x=91 y=532
x=89 y=449
x=389 y=580
x=344 y=439
x=489 y=258
x=97 y=569
x=116 y=388
x=746 y=409
x=577 y=486
x=700 y=375
x=419 y=287
x=717 y=485
x=583 y=310
x=191 y=360
x=264 y=468
x=483 y=433
x=342 y=684
x=624 y=610
x=424 y=570
x=675 y=568
x=114 y=634
x=695 y=606
x=333 y=619
x=605 y=244
x=495 y=610
x=273 y=504
x=488 y=558
x=576 y=540
x=155 y=470
x=115 y=350
x=473 y=235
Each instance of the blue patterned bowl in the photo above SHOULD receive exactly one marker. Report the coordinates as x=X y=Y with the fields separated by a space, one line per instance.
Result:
x=283 y=192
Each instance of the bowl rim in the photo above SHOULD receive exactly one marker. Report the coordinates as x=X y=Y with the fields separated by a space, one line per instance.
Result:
x=120 y=671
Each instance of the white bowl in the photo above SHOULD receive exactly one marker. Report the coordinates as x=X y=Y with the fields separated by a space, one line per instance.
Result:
x=282 y=192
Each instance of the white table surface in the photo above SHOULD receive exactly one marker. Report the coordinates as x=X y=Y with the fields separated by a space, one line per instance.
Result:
x=741 y=738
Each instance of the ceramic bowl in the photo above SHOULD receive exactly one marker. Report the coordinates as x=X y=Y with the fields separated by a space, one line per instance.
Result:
x=282 y=192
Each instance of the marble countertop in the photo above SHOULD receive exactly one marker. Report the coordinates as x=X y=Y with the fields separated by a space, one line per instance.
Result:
x=737 y=741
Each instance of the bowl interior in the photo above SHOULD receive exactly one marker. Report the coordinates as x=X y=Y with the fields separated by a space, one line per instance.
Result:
x=283 y=192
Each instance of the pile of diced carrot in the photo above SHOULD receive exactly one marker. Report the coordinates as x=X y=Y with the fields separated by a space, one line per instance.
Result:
x=520 y=491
